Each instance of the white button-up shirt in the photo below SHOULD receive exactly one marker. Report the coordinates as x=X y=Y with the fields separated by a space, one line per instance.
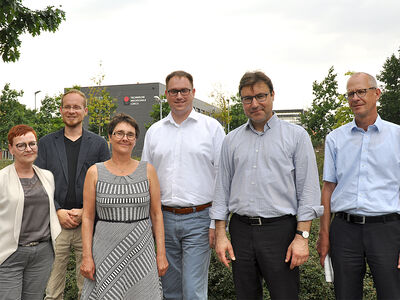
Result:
x=186 y=158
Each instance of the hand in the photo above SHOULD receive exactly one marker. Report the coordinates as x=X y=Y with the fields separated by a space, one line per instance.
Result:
x=323 y=246
x=223 y=245
x=162 y=265
x=88 y=268
x=76 y=214
x=211 y=237
x=297 y=252
x=398 y=264
x=65 y=219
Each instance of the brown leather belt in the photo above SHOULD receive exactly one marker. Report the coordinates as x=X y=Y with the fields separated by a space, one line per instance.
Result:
x=186 y=210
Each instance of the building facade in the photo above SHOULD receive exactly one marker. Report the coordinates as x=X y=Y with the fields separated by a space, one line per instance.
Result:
x=290 y=115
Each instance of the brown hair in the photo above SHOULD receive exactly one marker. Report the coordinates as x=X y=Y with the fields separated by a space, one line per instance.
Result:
x=121 y=117
x=251 y=78
x=179 y=74
x=19 y=130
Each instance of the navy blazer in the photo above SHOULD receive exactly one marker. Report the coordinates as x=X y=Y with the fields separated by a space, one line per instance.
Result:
x=52 y=156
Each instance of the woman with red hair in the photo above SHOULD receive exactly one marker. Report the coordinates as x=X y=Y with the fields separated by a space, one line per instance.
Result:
x=28 y=220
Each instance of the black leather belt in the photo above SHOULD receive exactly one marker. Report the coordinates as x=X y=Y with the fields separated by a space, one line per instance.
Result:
x=367 y=219
x=258 y=221
x=123 y=221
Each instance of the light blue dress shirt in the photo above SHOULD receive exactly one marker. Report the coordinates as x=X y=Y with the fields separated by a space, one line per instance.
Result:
x=366 y=167
x=267 y=174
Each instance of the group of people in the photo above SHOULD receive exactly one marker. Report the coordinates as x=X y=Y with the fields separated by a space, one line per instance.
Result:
x=144 y=230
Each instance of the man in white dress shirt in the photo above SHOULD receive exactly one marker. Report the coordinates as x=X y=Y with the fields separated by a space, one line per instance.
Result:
x=184 y=148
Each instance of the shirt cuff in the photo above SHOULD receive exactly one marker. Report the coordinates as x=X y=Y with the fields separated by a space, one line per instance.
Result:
x=307 y=213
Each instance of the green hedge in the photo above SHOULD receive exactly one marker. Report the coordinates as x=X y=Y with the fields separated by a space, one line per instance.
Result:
x=4 y=163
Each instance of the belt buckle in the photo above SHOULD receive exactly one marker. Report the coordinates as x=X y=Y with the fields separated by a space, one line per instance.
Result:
x=31 y=244
x=256 y=218
x=355 y=221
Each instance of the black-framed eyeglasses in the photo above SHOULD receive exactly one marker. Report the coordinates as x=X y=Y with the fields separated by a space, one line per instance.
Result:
x=259 y=98
x=23 y=146
x=360 y=93
x=174 y=92
x=120 y=135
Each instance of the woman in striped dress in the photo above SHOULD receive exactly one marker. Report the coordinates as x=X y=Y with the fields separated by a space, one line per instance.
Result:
x=119 y=261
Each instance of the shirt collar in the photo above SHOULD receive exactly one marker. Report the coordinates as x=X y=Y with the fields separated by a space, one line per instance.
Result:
x=273 y=121
x=194 y=115
x=378 y=125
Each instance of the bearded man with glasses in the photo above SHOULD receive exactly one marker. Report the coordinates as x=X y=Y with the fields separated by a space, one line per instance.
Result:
x=362 y=190
x=68 y=154
x=184 y=148
x=268 y=182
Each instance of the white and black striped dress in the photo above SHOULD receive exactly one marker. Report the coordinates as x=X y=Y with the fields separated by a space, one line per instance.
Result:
x=123 y=246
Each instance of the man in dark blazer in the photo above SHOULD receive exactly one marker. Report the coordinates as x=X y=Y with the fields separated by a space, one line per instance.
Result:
x=68 y=153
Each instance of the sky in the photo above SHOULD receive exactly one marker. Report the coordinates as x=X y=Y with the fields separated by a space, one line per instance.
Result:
x=294 y=42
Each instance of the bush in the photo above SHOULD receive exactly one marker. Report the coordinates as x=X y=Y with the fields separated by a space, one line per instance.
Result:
x=71 y=289
x=5 y=163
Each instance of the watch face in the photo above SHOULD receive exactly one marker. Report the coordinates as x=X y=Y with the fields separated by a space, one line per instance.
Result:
x=305 y=234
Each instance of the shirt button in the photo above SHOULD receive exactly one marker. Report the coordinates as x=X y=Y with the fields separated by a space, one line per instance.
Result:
x=254 y=167
x=253 y=182
x=256 y=150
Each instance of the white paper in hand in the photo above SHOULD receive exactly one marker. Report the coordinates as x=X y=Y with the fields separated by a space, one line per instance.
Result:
x=328 y=269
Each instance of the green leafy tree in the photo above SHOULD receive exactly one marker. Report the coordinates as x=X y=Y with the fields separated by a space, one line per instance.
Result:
x=16 y=19
x=49 y=119
x=12 y=113
x=236 y=112
x=155 y=111
x=222 y=113
x=343 y=114
x=389 y=108
x=320 y=118
x=100 y=106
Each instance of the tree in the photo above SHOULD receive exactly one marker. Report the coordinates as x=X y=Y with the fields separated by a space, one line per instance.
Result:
x=389 y=108
x=344 y=113
x=155 y=112
x=12 y=113
x=236 y=112
x=230 y=109
x=320 y=118
x=221 y=101
x=16 y=19
x=100 y=106
x=49 y=119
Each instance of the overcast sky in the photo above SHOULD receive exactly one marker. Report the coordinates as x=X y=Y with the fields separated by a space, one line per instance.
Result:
x=294 y=42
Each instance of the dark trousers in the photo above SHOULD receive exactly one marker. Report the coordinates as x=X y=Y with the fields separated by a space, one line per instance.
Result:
x=260 y=253
x=352 y=245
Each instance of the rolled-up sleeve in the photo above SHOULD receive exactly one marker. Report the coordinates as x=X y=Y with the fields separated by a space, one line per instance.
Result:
x=307 y=182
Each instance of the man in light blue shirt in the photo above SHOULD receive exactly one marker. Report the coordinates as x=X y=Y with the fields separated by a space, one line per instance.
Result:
x=267 y=176
x=362 y=189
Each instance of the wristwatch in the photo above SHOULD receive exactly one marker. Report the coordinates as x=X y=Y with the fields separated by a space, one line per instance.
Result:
x=304 y=234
